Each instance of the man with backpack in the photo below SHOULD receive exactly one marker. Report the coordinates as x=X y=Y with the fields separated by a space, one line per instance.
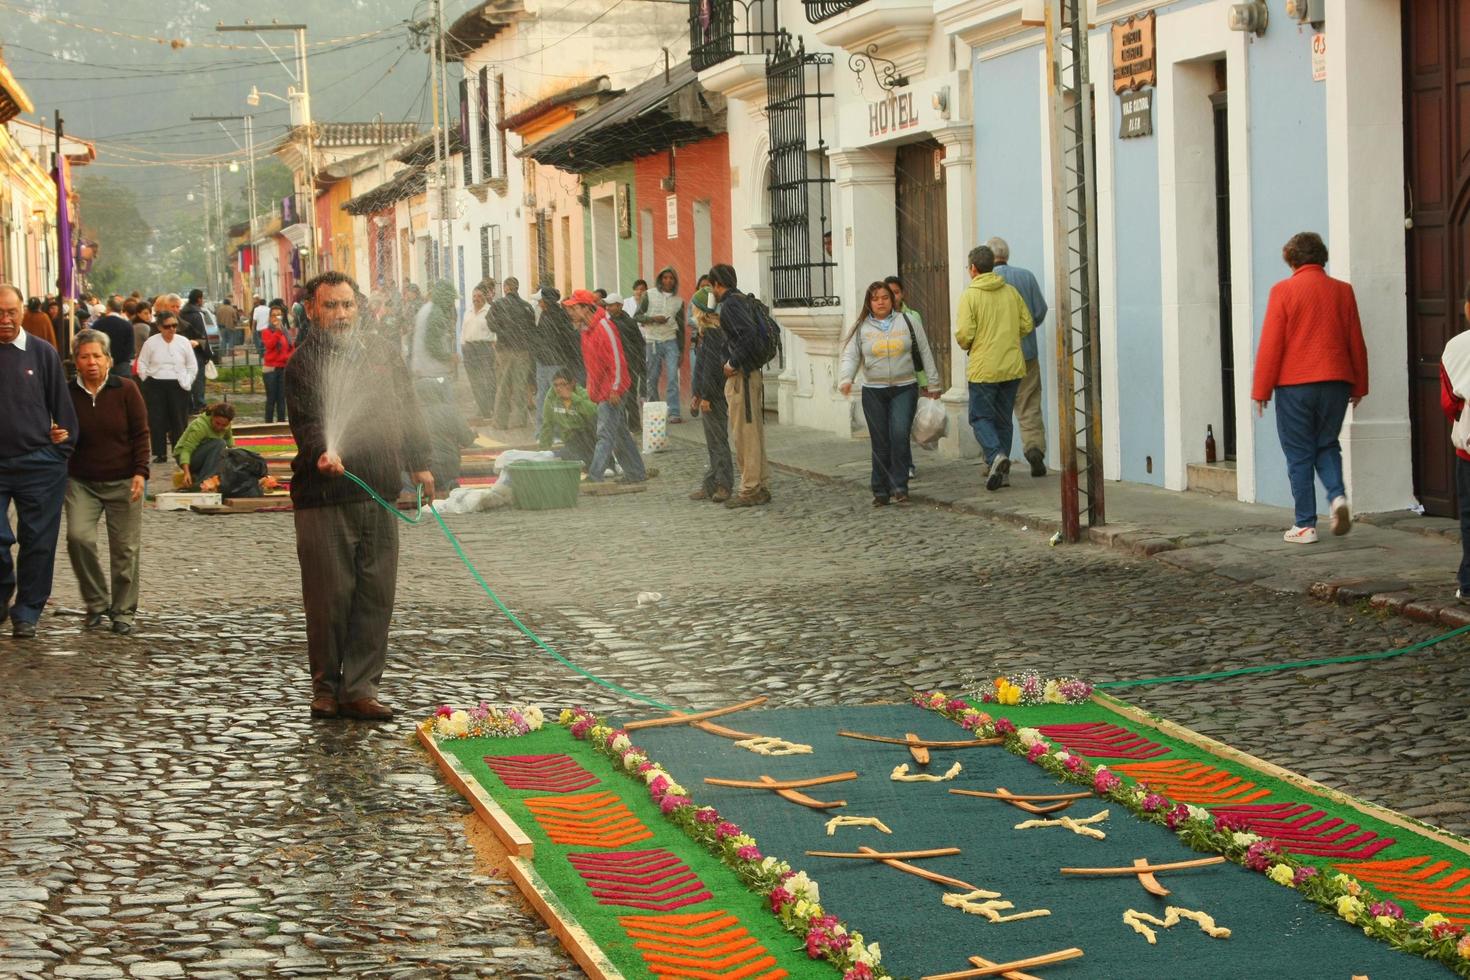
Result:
x=752 y=339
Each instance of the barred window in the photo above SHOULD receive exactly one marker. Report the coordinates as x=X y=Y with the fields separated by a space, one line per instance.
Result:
x=721 y=29
x=466 y=155
x=800 y=188
x=490 y=249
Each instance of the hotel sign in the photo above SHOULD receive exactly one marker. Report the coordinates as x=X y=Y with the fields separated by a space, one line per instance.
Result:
x=904 y=114
x=1134 y=64
x=893 y=115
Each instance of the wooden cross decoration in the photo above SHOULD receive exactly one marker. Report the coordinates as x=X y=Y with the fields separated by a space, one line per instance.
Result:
x=1011 y=970
x=896 y=859
x=919 y=747
x=1027 y=801
x=787 y=789
x=1146 y=871
x=760 y=744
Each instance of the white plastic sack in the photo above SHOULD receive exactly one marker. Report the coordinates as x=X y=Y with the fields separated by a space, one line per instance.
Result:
x=470 y=500
x=655 y=427
x=929 y=423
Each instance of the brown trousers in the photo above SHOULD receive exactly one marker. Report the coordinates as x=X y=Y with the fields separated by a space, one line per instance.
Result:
x=349 y=573
x=748 y=439
x=1028 y=409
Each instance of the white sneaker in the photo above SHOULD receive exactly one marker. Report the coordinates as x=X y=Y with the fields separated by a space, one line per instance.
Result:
x=999 y=468
x=1462 y=597
x=1342 y=517
x=1300 y=535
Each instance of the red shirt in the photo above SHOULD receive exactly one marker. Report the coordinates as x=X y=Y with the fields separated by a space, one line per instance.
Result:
x=602 y=355
x=278 y=347
x=1311 y=333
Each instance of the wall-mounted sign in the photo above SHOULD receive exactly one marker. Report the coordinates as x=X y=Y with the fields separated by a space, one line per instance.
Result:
x=1136 y=114
x=671 y=215
x=1319 y=57
x=1134 y=65
x=625 y=212
x=892 y=115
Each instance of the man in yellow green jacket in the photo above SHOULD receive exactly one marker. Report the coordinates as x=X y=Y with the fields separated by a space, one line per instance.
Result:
x=992 y=320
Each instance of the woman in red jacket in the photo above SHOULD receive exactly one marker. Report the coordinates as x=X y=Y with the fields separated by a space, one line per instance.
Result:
x=278 y=350
x=1312 y=358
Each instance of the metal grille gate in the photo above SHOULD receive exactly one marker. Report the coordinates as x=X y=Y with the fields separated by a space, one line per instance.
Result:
x=801 y=269
x=1074 y=216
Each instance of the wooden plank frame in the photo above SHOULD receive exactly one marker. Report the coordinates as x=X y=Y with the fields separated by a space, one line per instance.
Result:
x=559 y=919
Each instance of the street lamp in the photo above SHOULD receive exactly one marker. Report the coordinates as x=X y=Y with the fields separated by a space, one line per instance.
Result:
x=300 y=103
x=249 y=148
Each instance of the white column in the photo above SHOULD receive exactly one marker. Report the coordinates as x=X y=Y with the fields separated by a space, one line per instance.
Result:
x=958 y=141
x=866 y=245
x=1365 y=177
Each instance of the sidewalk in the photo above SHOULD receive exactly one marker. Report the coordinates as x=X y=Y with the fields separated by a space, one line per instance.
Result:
x=1399 y=562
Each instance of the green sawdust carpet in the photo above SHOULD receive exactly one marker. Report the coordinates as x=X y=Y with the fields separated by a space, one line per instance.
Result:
x=1274 y=934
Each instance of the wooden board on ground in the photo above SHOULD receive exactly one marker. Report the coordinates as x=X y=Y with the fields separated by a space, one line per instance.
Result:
x=606 y=489
x=500 y=822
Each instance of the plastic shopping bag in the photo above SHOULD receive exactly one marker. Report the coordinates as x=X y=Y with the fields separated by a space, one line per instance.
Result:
x=929 y=423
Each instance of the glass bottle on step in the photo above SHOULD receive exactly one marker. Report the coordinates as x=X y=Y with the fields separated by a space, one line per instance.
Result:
x=1210 y=444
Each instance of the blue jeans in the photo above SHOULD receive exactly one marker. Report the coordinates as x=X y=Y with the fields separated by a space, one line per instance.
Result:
x=275 y=395
x=614 y=440
x=991 y=405
x=36 y=483
x=665 y=353
x=1308 y=419
x=890 y=414
x=544 y=374
x=1462 y=494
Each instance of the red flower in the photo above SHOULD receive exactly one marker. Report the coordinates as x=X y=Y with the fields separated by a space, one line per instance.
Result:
x=1005 y=726
x=443 y=711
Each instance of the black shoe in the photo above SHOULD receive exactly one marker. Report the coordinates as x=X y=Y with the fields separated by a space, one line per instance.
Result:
x=159 y=459
x=93 y=621
x=121 y=628
x=879 y=500
x=1037 y=461
x=21 y=630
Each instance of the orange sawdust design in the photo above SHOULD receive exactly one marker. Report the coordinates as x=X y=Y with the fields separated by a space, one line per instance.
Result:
x=1409 y=879
x=709 y=945
x=588 y=820
x=1192 y=782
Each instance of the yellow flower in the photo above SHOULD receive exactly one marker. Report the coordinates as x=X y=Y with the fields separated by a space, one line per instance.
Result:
x=1434 y=919
x=1348 y=907
x=1052 y=693
x=1386 y=921
x=1281 y=874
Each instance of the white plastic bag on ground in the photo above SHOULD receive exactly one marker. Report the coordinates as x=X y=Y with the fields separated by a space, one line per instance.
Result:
x=929 y=423
x=655 y=427
x=470 y=500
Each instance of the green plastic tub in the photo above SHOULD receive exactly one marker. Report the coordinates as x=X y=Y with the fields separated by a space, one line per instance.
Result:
x=549 y=485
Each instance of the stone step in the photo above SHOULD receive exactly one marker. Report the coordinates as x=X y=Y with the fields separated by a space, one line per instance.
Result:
x=1212 y=478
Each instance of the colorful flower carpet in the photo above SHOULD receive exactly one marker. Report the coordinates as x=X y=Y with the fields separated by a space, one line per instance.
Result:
x=875 y=841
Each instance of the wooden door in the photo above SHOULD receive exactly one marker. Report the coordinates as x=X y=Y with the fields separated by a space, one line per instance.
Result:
x=923 y=243
x=1437 y=169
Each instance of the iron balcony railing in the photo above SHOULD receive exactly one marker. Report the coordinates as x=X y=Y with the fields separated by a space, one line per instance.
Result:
x=800 y=188
x=820 y=10
x=721 y=29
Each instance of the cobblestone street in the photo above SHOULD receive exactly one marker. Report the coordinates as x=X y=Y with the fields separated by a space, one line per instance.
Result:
x=167 y=808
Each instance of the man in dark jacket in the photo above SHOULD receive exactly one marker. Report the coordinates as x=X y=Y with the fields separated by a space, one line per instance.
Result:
x=708 y=391
x=744 y=387
x=513 y=321
x=192 y=329
x=37 y=435
x=352 y=409
x=555 y=346
x=632 y=338
x=119 y=331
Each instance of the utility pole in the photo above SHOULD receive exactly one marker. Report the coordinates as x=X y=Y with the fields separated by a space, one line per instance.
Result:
x=250 y=185
x=441 y=112
x=301 y=113
x=1074 y=216
x=221 y=268
x=208 y=239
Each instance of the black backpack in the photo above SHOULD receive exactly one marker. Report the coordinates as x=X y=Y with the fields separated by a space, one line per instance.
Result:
x=767 y=332
x=240 y=473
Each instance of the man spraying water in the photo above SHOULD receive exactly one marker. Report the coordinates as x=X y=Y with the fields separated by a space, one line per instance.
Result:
x=352 y=408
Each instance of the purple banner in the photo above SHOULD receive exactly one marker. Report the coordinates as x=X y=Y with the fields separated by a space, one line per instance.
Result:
x=64 y=253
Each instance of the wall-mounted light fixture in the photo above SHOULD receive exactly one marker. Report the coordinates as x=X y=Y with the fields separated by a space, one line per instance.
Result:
x=941 y=102
x=1251 y=17
x=1312 y=12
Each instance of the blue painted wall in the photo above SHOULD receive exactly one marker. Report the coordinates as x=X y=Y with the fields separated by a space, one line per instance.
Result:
x=1010 y=132
x=1289 y=195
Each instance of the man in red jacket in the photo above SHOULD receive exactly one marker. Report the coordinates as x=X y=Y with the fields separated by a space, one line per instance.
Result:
x=608 y=380
x=1312 y=357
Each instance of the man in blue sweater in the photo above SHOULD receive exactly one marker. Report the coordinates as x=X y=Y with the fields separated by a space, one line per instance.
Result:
x=1028 y=396
x=37 y=422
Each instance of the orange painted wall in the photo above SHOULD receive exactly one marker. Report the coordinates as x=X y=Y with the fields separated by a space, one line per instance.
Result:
x=702 y=173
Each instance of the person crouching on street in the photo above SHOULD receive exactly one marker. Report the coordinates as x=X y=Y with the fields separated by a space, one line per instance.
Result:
x=1313 y=359
x=108 y=472
x=346 y=543
x=608 y=380
x=569 y=417
x=214 y=425
x=892 y=353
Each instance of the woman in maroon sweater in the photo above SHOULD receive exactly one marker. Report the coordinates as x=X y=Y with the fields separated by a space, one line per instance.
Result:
x=108 y=471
